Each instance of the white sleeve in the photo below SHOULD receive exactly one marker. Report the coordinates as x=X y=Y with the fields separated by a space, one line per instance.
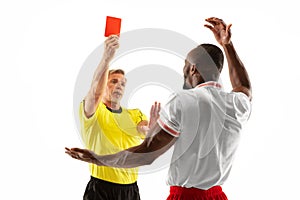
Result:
x=242 y=106
x=170 y=116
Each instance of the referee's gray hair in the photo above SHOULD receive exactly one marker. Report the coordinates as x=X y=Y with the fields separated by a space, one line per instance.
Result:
x=116 y=71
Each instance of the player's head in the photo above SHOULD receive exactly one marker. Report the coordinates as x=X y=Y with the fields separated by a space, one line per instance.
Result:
x=203 y=63
x=115 y=85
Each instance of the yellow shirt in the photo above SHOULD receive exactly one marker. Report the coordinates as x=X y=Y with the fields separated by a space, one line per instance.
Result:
x=107 y=132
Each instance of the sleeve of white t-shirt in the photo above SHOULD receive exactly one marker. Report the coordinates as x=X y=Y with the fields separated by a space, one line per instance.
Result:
x=242 y=106
x=170 y=116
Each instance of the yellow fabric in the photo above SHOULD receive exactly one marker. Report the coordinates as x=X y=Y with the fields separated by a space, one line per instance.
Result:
x=107 y=133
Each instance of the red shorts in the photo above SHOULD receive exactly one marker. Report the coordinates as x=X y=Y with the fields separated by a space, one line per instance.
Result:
x=181 y=193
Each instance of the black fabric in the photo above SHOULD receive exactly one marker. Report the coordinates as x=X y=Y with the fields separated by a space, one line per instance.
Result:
x=114 y=111
x=98 y=189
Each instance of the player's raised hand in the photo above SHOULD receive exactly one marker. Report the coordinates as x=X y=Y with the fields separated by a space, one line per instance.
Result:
x=220 y=30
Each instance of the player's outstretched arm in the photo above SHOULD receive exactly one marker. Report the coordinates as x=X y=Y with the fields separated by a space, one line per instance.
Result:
x=238 y=74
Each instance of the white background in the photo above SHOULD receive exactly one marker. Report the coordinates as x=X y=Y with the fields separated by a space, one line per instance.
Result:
x=44 y=43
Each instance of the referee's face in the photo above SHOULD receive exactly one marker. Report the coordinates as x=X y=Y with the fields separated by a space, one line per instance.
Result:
x=115 y=87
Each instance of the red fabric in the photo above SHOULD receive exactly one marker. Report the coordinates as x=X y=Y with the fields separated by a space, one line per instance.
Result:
x=181 y=193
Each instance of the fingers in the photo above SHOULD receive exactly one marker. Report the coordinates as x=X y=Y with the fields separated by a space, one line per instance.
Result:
x=217 y=25
x=216 y=22
x=211 y=20
x=158 y=107
x=145 y=129
x=72 y=153
x=111 y=45
x=228 y=28
x=112 y=39
x=211 y=28
x=81 y=154
x=112 y=42
x=154 y=114
x=77 y=152
x=155 y=109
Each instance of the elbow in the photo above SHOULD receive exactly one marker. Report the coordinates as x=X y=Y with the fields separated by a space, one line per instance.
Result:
x=246 y=89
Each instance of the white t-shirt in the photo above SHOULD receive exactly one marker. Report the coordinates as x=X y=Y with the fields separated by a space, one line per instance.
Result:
x=207 y=122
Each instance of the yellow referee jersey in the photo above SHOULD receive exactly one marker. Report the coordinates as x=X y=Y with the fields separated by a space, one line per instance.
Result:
x=107 y=132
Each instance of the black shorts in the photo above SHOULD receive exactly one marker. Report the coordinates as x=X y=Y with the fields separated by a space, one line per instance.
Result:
x=98 y=189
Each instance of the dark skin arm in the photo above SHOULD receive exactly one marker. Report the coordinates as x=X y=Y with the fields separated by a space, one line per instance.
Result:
x=238 y=74
x=152 y=147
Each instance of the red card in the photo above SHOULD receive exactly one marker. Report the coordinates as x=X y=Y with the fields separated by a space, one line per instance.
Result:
x=113 y=26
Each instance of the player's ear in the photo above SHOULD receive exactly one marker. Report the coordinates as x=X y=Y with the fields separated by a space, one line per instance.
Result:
x=193 y=70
